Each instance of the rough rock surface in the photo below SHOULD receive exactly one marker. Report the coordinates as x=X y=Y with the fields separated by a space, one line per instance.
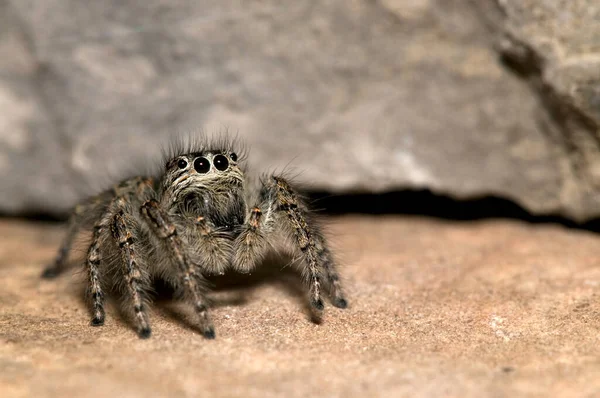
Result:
x=357 y=95
x=554 y=46
x=438 y=308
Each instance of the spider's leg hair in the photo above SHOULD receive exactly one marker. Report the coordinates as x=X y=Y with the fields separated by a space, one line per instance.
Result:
x=309 y=241
x=124 y=238
x=93 y=261
x=191 y=281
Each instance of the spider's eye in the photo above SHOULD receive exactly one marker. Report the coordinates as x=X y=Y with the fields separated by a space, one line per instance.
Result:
x=202 y=165
x=182 y=163
x=221 y=162
x=233 y=156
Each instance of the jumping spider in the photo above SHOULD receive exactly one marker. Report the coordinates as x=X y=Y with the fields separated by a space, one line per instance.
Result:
x=196 y=218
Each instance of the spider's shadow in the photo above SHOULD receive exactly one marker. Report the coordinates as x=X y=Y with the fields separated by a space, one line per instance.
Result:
x=231 y=289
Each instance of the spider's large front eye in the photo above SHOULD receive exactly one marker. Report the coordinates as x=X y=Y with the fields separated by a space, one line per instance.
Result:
x=202 y=165
x=221 y=162
x=182 y=163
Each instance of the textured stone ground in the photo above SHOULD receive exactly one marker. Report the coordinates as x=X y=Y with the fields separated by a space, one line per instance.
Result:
x=438 y=308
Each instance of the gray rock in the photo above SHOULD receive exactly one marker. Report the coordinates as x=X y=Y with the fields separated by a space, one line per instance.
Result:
x=34 y=171
x=354 y=95
x=555 y=47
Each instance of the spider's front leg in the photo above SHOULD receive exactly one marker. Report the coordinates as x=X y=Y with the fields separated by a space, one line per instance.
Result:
x=311 y=243
x=190 y=279
x=277 y=196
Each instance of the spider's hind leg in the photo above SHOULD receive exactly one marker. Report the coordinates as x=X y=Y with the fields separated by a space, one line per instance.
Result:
x=76 y=221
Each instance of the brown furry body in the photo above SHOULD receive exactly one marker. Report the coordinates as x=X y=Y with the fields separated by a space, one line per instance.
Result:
x=198 y=217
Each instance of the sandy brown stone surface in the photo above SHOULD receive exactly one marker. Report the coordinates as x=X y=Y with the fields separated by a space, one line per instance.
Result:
x=438 y=308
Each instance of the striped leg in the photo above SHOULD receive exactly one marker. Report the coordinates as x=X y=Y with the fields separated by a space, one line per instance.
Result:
x=311 y=243
x=93 y=263
x=135 y=285
x=333 y=278
x=192 y=282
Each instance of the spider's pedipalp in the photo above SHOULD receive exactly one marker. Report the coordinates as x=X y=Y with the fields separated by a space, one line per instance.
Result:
x=252 y=242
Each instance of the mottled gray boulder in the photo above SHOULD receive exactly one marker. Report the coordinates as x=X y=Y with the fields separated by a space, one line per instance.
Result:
x=555 y=47
x=355 y=95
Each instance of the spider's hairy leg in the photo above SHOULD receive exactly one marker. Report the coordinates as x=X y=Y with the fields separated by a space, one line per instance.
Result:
x=191 y=281
x=60 y=263
x=102 y=228
x=122 y=234
x=310 y=241
x=333 y=278
x=93 y=259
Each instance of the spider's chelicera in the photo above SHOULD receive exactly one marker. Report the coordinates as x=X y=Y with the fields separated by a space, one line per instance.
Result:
x=196 y=218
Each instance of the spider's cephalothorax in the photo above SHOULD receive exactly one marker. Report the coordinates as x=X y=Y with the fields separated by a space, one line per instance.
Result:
x=193 y=220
